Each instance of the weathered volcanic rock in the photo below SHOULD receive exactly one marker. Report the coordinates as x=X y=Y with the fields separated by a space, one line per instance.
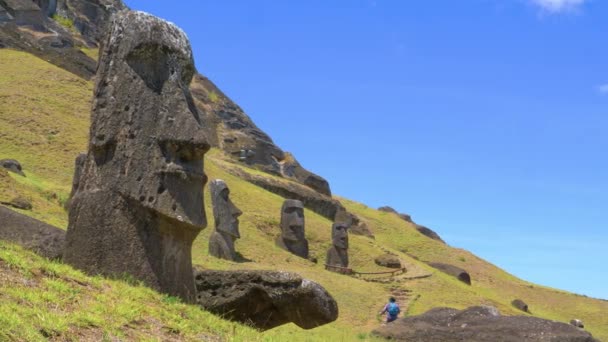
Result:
x=479 y=324
x=139 y=201
x=90 y=17
x=404 y=217
x=452 y=270
x=265 y=299
x=12 y=165
x=235 y=133
x=32 y=234
x=225 y=214
x=388 y=260
x=520 y=304
x=428 y=233
x=577 y=323
x=19 y=203
x=293 y=236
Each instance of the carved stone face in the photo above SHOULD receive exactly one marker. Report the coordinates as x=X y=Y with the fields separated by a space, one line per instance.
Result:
x=147 y=137
x=339 y=235
x=225 y=212
x=292 y=221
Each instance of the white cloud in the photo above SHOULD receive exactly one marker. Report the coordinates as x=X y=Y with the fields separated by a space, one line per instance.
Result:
x=555 y=6
x=603 y=89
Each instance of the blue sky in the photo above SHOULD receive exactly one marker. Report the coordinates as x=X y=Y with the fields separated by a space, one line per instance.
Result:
x=485 y=120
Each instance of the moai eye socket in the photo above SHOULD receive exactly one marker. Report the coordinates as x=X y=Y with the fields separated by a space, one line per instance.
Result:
x=152 y=62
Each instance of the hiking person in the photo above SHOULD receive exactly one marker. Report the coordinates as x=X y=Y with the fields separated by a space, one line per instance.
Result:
x=391 y=309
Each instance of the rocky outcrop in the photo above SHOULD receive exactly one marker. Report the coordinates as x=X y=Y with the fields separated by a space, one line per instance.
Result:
x=19 y=203
x=235 y=133
x=404 y=217
x=479 y=324
x=13 y=166
x=388 y=260
x=139 y=202
x=32 y=234
x=421 y=229
x=321 y=204
x=428 y=232
x=355 y=224
x=90 y=17
x=265 y=299
x=454 y=271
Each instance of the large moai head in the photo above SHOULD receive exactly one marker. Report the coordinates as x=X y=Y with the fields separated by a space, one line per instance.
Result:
x=139 y=200
x=147 y=141
x=292 y=221
x=225 y=212
x=339 y=235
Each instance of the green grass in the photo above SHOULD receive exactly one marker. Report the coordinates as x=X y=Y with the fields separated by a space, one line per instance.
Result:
x=44 y=122
x=65 y=22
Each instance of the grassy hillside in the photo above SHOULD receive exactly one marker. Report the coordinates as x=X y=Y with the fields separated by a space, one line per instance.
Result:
x=44 y=119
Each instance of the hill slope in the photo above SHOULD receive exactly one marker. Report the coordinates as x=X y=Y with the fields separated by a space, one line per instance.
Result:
x=44 y=113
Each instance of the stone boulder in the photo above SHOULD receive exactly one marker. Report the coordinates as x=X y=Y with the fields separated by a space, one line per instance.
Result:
x=520 y=304
x=421 y=229
x=479 y=324
x=19 y=203
x=32 y=234
x=139 y=203
x=577 y=323
x=265 y=299
x=12 y=165
x=404 y=217
x=428 y=233
x=452 y=270
x=388 y=260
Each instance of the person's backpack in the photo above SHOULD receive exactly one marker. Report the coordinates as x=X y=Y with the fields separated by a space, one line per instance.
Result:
x=393 y=309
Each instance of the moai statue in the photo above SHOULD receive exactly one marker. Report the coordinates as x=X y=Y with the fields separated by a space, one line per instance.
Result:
x=292 y=236
x=138 y=205
x=225 y=213
x=337 y=255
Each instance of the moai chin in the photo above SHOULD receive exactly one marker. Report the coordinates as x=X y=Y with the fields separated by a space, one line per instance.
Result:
x=138 y=204
x=292 y=236
x=337 y=255
x=225 y=213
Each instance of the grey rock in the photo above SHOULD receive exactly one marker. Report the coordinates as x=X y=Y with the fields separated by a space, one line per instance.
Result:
x=520 y=304
x=19 y=203
x=90 y=17
x=293 y=237
x=388 y=260
x=479 y=324
x=12 y=165
x=265 y=299
x=233 y=131
x=138 y=205
x=225 y=214
x=577 y=323
x=337 y=255
x=452 y=270
x=428 y=233
x=32 y=234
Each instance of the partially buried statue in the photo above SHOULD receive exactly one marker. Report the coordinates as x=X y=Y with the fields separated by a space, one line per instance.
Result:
x=225 y=213
x=138 y=205
x=292 y=236
x=337 y=255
